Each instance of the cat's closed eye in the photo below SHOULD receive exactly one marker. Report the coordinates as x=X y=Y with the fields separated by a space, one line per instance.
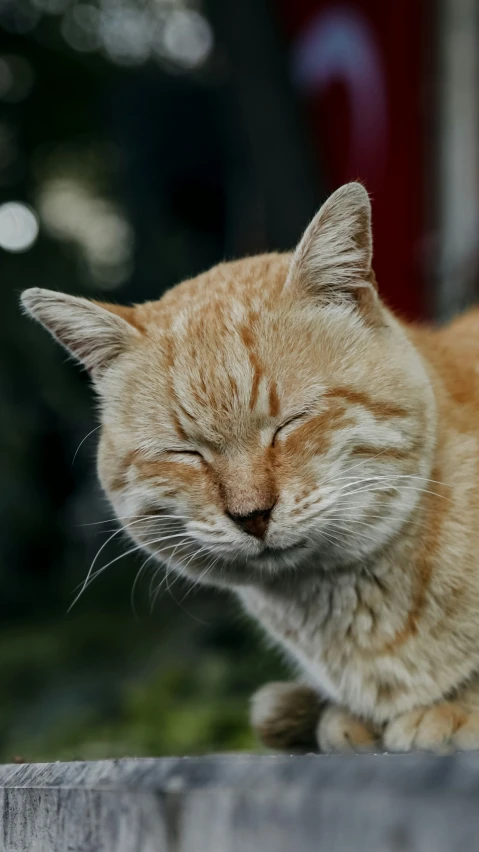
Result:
x=282 y=428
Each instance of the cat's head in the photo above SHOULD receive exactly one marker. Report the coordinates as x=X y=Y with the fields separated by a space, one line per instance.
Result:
x=266 y=416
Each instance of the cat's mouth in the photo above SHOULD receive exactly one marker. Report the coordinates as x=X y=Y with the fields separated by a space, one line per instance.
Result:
x=268 y=555
x=272 y=552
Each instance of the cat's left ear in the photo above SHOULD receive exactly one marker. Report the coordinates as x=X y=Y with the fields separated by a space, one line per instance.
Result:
x=93 y=332
x=332 y=263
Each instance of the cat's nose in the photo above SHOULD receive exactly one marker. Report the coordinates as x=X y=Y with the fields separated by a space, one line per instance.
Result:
x=255 y=523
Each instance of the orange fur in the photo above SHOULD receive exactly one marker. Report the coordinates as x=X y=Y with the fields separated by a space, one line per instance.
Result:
x=280 y=387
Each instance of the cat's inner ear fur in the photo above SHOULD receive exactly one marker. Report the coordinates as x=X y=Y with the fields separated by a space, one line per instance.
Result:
x=332 y=262
x=93 y=333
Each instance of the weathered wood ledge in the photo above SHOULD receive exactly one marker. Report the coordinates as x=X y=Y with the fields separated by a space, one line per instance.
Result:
x=243 y=803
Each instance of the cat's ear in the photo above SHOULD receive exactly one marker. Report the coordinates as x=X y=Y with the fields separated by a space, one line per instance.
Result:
x=332 y=262
x=93 y=333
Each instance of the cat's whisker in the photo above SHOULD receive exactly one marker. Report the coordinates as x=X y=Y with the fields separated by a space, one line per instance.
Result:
x=319 y=513
x=91 y=577
x=394 y=487
x=356 y=534
x=344 y=518
x=362 y=463
x=194 y=555
x=388 y=477
x=177 y=578
x=141 y=570
x=178 y=546
x=148 y=528
x=207 y=570
x=331 y=539
x=374 y=483
x=172 y=554
x=153 y=594
x=80 y=445
x=133 y=588
x=115 y=533
x=85 y=582
x=312 y=538
x=136 y=519
x=352 y=520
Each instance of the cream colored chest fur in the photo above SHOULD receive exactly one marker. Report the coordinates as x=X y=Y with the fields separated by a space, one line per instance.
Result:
x=346 y=634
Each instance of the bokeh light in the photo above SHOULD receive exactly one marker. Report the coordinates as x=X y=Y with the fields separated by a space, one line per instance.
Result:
x=96 y=226
x=16 y=78
x=80 y=27
x=127 y=32
x=18 y=16
x=18 y=226
x=51 y=7
x=8 y=153
x=187 y=38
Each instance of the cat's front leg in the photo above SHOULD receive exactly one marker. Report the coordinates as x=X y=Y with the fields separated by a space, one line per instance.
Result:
x=443 y=728
x=293 y=717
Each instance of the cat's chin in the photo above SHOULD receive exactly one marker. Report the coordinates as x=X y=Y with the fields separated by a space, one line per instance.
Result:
x=278 y=552
x=271 y=559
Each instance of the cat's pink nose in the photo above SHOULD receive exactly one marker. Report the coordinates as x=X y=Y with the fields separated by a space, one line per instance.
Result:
x=255 y=523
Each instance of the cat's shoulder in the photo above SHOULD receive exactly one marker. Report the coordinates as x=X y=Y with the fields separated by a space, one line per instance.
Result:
x=458 y=337
x=452 y=351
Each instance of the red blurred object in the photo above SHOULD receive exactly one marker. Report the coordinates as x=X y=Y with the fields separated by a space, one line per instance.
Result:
x=359 y=68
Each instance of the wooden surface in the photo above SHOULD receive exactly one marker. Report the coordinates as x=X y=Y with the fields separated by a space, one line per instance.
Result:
x=244 y=803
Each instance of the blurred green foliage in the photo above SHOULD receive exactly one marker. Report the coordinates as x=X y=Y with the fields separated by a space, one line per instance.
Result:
x=105 y=684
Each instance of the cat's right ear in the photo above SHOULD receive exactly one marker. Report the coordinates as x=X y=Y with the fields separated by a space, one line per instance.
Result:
x=332 y=263
x=95 y=334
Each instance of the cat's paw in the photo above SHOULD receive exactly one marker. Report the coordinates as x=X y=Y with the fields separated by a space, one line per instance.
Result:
x=340 y=732
x=285 y=716
x=442 y=728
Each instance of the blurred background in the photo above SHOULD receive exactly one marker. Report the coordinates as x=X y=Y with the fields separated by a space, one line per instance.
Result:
x=142 y=141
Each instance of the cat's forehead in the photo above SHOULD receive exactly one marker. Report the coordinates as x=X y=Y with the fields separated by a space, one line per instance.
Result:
x=225 y=318
x=224 y=295
x=235 y=363
x=234 y=327
x=230 y=365
x=236 y=351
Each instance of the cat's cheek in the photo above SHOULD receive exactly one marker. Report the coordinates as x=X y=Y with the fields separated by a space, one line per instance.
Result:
x=190 y=493
x=110 y=469
x=296 y=480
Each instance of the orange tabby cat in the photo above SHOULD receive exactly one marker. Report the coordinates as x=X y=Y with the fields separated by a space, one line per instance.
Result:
x=272 y=428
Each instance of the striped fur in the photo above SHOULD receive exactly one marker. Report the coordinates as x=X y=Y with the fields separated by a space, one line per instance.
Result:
x=284 y=381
